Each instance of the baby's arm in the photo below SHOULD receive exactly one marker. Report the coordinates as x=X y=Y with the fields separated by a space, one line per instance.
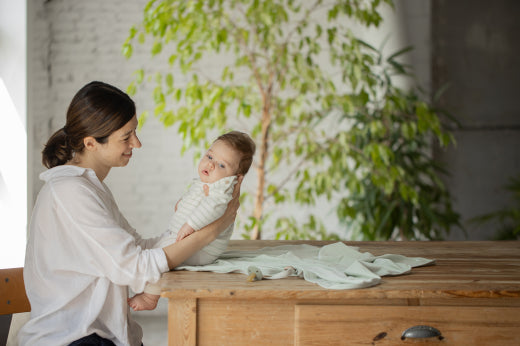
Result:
x=186 y=229
x=212 y=207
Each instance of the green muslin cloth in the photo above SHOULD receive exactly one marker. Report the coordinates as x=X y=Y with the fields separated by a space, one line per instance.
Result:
x=335 y=266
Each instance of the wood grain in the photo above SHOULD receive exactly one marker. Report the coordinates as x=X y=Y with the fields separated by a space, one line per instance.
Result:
x=384 y=325
x=462 y=269
x=182 y=322
x=472 y=294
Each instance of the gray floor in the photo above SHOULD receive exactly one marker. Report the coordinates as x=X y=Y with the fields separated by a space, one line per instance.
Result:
x=155 y=329
x=154 y=324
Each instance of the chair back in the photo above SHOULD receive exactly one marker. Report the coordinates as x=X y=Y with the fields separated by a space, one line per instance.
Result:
x=12 y=292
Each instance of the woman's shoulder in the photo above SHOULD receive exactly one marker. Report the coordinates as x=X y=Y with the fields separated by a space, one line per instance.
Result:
x=70 y=178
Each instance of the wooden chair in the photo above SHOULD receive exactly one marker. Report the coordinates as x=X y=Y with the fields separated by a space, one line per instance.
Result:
x=12 y=299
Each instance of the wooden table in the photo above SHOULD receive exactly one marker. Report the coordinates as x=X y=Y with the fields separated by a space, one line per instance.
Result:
x=471 y=296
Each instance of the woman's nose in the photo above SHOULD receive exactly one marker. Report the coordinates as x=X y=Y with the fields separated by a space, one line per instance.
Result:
x=136 y=143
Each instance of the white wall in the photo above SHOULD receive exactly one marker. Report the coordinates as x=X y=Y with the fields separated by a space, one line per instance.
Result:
x=72 y=42
x=13 y=138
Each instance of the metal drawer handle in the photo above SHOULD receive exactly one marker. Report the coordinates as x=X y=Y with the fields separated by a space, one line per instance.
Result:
x=420 y=332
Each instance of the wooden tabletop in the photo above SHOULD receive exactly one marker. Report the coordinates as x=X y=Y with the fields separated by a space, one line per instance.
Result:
x=479 y=269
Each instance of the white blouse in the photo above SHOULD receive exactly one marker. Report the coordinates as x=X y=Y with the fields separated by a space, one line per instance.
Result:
x=82 y=255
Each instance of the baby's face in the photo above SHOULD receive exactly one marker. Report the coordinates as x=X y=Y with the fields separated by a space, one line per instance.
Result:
x=219 y=161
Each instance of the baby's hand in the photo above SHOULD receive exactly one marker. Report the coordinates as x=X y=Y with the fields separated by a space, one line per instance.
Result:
x=185 y=231
x=205 y=187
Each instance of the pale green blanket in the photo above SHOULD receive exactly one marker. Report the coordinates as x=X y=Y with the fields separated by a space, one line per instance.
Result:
x=334 y=266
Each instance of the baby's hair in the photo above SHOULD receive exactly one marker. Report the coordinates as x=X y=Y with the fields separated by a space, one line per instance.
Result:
x=244 y=145
x=98 y=109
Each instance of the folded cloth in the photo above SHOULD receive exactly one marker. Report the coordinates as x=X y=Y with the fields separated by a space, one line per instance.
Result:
x=334 y=266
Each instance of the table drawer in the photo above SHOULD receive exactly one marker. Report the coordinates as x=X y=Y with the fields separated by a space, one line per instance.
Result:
x=384 y=325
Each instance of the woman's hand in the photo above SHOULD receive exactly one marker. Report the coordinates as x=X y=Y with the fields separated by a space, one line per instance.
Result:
x=231 y=211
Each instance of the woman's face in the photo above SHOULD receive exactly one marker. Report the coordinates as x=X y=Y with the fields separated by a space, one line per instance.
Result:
x=219 y=161
x=117 y=151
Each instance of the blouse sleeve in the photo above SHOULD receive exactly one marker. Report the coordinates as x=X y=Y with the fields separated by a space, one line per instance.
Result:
x=97 y=241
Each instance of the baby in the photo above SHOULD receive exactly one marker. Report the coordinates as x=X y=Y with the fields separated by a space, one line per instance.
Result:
x=230 y=156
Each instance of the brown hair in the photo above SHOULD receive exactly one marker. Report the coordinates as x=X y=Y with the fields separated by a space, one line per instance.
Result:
x=243 y=144
x=98 y=109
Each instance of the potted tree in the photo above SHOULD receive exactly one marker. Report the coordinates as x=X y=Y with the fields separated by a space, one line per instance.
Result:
x=321 y=104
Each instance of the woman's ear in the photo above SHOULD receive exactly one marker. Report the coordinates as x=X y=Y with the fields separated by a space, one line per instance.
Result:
x=90 y=143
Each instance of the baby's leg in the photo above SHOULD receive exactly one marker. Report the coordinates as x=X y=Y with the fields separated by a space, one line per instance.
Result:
x=200 y=258
x=210 y=252
x=144 y=301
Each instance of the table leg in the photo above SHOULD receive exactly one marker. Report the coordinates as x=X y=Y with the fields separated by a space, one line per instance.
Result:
x=182 y=322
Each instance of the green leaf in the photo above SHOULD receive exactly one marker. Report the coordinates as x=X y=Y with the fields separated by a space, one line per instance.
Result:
x=400 y=52
x=131 y=90
x=133 y=31
x=139 y=76
x=172 y=59
x=142 y=119
x=156 y=48
x=168 y=119
x=159 y=108
x=169 y=80
x=141 y=38
x=158 y=95
x=127 y=50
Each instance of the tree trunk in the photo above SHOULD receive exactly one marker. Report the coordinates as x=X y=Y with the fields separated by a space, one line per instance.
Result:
x=258 y=211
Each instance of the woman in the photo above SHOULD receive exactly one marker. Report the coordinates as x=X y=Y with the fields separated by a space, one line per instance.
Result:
x=82 y=255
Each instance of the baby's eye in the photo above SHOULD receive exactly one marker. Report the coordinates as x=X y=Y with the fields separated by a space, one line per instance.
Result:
x=221 y=166
x=210 y=157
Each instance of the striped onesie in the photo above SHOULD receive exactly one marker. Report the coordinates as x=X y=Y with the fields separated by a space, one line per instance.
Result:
x=199 y=210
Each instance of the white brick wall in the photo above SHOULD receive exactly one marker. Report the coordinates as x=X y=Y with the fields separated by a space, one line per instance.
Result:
x=72 y=42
